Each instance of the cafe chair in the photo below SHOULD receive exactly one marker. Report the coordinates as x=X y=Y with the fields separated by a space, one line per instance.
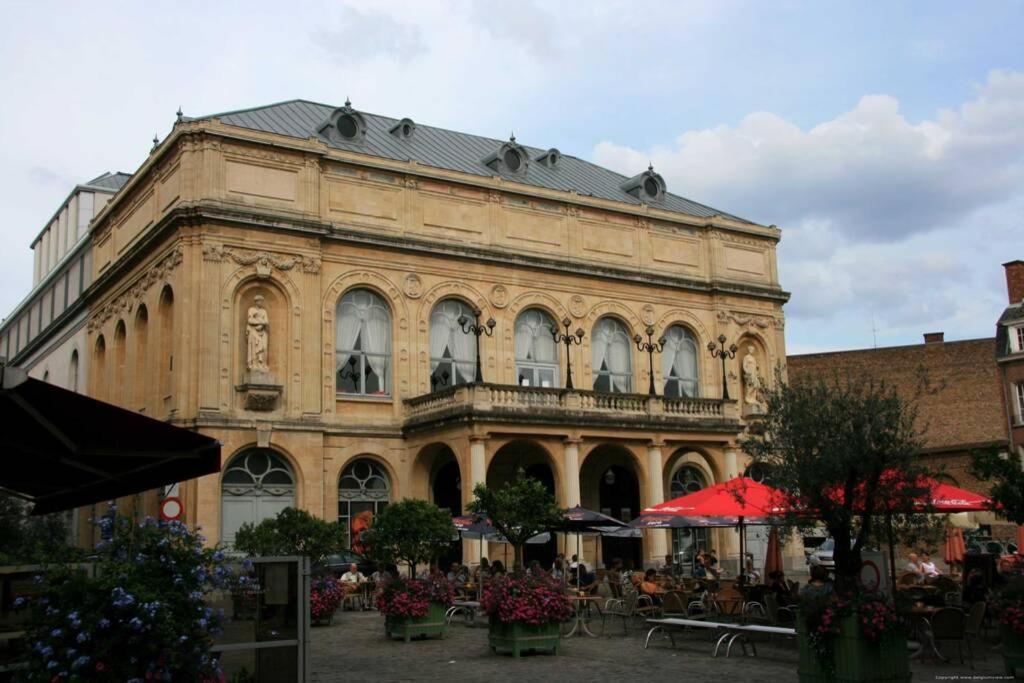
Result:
x=950 y=624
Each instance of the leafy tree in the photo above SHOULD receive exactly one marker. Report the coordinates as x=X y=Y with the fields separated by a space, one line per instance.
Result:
x=410 y=531
x=1007 y=479
x=844 y=451
x=292 y=532
x=26 y=539
x=518 y=510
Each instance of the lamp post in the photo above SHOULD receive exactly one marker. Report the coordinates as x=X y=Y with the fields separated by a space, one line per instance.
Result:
x=722 y=353
x=650 y=348
x=477 y=329
x=568 y=340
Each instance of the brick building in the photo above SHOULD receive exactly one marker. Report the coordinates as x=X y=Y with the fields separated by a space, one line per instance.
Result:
x=956 y=386
x=1010 y=355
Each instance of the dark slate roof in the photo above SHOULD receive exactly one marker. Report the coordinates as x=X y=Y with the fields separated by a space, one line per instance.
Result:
x=452 y=151
x=109 y=181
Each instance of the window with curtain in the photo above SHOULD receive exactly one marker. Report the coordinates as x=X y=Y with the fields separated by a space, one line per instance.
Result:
x=610 y=348
x=536 y=355
x=257 y=485
x=452 y=352
x=363 y=356
x=679 y=362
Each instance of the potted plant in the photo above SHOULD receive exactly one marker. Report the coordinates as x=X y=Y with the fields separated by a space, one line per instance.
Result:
x=525 y=612
x=1010 y=604
x=844 y=452
x=325 y=596
x=518 y=510
x=413 y=532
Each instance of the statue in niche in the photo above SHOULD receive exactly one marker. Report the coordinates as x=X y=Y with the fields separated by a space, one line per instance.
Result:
x=751 y=379
x=257 y=332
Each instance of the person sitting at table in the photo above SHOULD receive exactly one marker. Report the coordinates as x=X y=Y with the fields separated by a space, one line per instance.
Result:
x=750 y=576
x=711 y=565
x=483 y=571
x=700 y=569
x=819 y=587
x=351 y=580
x=669 y=565
x=913 y=565
x=928 y=568
x=498 y=569
x=649 y=586
x=558 y=569
x=559 y=561
x=453 y=573
x=587 y=579
x=381 y=575
x=777 y=584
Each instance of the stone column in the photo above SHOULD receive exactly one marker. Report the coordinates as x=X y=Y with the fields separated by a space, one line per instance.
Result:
x=658 y=541
x=477 y=475
x=729 y=553
x=571 y=486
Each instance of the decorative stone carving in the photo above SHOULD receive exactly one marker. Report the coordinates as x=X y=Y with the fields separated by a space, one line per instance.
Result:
x=264 y=261
x=573 y=211
x=494 y=196
x=577 y=306
x=260 y=391
x=410 y=183
x=747 y=320
x=136 y=290
x=413 y=286
x=257 y=336
x=641 y=223
x=499 y=296
x=751 y=382
x=647 y=314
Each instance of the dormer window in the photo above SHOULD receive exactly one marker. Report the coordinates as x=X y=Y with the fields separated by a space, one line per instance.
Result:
x=648 y=186
x=403 y=129
x=510 y=158
x=344 y=125
x=550 y=158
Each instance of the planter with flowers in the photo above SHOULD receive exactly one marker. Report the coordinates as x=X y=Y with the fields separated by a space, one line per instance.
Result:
x=525 y=613
x=856 y=639
x=1011 y=626
x=325 y=596
x=414 y=607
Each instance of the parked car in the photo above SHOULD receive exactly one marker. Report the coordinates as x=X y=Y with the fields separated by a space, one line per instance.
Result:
x=339 y=563
x=822 y=554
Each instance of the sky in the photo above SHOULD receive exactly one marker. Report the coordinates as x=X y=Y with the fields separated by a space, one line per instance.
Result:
x=886 y=140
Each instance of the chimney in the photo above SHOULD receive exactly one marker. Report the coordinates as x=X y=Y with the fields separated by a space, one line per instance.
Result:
x=934 y=337
x=1015 y=281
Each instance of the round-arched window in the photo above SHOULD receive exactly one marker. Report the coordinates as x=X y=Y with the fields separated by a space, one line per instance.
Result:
x=513 y=160
x=651 y=187
x=363 y=345
x=610 y=349
x=686 y=480
x=679 y=362
x=257 y=485
x=363 y=490
x=536 y=355
x=348 y=127
x=452 y=352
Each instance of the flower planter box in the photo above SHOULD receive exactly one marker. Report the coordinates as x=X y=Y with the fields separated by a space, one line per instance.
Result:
x=407 y=628
x=1013 y=651
x=856 y=658
x=521 y=637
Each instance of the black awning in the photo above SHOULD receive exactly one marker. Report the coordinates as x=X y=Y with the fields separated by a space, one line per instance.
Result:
x=61 y=450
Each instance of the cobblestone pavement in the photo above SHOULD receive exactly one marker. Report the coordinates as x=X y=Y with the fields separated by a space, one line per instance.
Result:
x=354 y=649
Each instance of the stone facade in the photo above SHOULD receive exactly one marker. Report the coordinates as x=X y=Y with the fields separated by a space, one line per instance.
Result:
x=219 y=215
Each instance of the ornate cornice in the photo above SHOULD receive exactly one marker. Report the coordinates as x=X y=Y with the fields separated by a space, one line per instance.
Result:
x=130 y=298
x=264 y=261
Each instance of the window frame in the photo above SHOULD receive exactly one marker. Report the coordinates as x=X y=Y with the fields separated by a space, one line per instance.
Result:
x=533 y=368
x=677 y=381
x=448 y=362
x=361 y=355
x=608 y=375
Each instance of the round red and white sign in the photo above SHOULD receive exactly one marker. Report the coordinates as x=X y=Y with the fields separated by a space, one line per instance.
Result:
x=170 y=509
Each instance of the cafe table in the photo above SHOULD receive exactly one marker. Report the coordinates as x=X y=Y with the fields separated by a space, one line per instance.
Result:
x=581 y=613
x=921 y=626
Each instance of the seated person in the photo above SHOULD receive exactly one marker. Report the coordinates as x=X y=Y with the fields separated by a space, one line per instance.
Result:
x=751 y=577
x=668 y=566
x=778 y=585
x=819 y=587
x=382 y=575
x=351 y=579
x=913 y=565
x=649 y=586
x=700 y=569
x=497 y=569
x=928 y=568
x=587 y=580
x=558 y=569
x=482 y=572
x=453 y=574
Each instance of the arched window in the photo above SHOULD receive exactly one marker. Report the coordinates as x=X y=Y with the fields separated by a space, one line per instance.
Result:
x=141 y=346
x=452 y=352
x=99 y=369
x=536 y=355
x=165 y=357
x=257 y=485
x=610 y=349
x=687 y=480
x=118 y=388
x=73 y=371
x=363 y=346
x=363 y=490
x=679 y=362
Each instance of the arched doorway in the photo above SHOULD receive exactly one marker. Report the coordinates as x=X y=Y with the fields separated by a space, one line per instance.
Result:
x=609 y=484
x=446 y=491
x=524 y=459
x=364 y=489
x=687 y=478
x=257 y=484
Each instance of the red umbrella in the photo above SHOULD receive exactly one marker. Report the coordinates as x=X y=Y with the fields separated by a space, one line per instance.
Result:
x=954 y=549
x=773 y=558
x=939 y=496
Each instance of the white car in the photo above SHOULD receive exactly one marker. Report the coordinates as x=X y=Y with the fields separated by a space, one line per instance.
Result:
x=822 y=554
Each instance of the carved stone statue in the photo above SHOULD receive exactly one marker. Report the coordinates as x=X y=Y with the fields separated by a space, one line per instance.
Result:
x=257 y=332
x=751 y=379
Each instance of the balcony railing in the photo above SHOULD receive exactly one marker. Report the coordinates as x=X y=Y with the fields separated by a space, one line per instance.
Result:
x=562 y=405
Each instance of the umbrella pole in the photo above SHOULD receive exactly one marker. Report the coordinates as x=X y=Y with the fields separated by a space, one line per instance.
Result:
x=892 y=554
x=742 y=565
x=578 y=563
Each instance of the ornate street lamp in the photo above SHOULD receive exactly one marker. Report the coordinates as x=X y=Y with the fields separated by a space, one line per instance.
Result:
x=436 y=381
x=722 y=353
x=650 y=348
x=568 y=340
x=477 y=329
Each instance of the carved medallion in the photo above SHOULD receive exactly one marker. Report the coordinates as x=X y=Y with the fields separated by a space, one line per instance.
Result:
x=647 y=314
x=577 y=306
x=413 y=286
x=499 y=296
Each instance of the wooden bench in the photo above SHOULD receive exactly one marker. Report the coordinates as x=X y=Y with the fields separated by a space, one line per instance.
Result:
x=730 y=633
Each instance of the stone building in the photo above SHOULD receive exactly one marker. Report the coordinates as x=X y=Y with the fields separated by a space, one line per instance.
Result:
x=1010 y=355
x=956 y=388
x=295 y=279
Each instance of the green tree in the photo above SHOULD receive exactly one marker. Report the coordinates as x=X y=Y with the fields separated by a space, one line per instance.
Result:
x=1007 y=479
x=410 y=531
x=28 y=539
x=518 y=510
x=292 y=532
x=844 y=451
